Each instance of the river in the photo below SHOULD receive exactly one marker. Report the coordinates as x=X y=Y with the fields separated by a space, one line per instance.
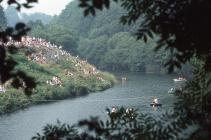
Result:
x=137 y=91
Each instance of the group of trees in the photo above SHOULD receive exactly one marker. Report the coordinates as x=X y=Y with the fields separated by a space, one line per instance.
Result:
x=57 y=34
x=102 y=40
x=121 y=51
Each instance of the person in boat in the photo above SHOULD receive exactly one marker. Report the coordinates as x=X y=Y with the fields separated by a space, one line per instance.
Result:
x=130 y=113
x=113 y=110
x=182 y=78
x=124 y=78
x=171 y=90
x=129 y=110
x=155 y=101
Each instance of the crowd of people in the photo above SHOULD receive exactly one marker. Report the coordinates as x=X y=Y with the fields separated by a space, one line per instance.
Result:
x=2 y=89
x=47 y=51
x=128 y=112
x=55 y=81
x=37 y=57
x=68 y=73
x=27 y=41
x=88 y=69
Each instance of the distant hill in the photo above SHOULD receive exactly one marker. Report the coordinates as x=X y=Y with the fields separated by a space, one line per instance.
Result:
x=13 y=16
x=104 y=23
x=3 y=20
x=37 y=16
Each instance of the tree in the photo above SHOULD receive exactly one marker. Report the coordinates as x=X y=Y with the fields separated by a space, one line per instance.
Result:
x=38 y=29
x=182 y=25
x=94 y=41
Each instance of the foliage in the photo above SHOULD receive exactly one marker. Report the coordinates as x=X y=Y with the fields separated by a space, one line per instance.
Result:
x=179 y=24
x=58 y=131
x=57 y=34
x=194 y=100
x=76 y=85
x=121 y=51
x=119 y=125
x=102 y=40
x=7 y=64
x=13 y=100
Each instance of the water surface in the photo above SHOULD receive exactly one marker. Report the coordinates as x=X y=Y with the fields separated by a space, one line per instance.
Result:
x=137 y=91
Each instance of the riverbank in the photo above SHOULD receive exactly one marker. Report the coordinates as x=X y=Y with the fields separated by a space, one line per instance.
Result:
x=57 y=78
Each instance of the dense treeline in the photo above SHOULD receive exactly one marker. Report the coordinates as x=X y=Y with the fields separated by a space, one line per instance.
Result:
x=102 y=40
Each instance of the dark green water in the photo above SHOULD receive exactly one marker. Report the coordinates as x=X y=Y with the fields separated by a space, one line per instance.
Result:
x=136 y=92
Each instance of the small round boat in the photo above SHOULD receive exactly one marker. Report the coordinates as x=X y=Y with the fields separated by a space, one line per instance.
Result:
x=180 y=79
x=154 y=104
x=171 y=90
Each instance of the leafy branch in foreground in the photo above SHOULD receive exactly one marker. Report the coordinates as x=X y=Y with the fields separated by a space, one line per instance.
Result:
x=19 y=5
x=7 y=63
x=122 y=124
x=58 y=131
x=194 y=103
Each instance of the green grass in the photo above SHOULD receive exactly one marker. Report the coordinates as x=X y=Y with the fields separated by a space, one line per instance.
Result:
x=76 y=85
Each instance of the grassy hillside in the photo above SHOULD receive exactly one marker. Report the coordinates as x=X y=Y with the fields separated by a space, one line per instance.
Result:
x=58 y=75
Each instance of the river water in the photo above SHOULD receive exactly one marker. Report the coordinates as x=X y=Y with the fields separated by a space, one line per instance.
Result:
x=137 y=91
